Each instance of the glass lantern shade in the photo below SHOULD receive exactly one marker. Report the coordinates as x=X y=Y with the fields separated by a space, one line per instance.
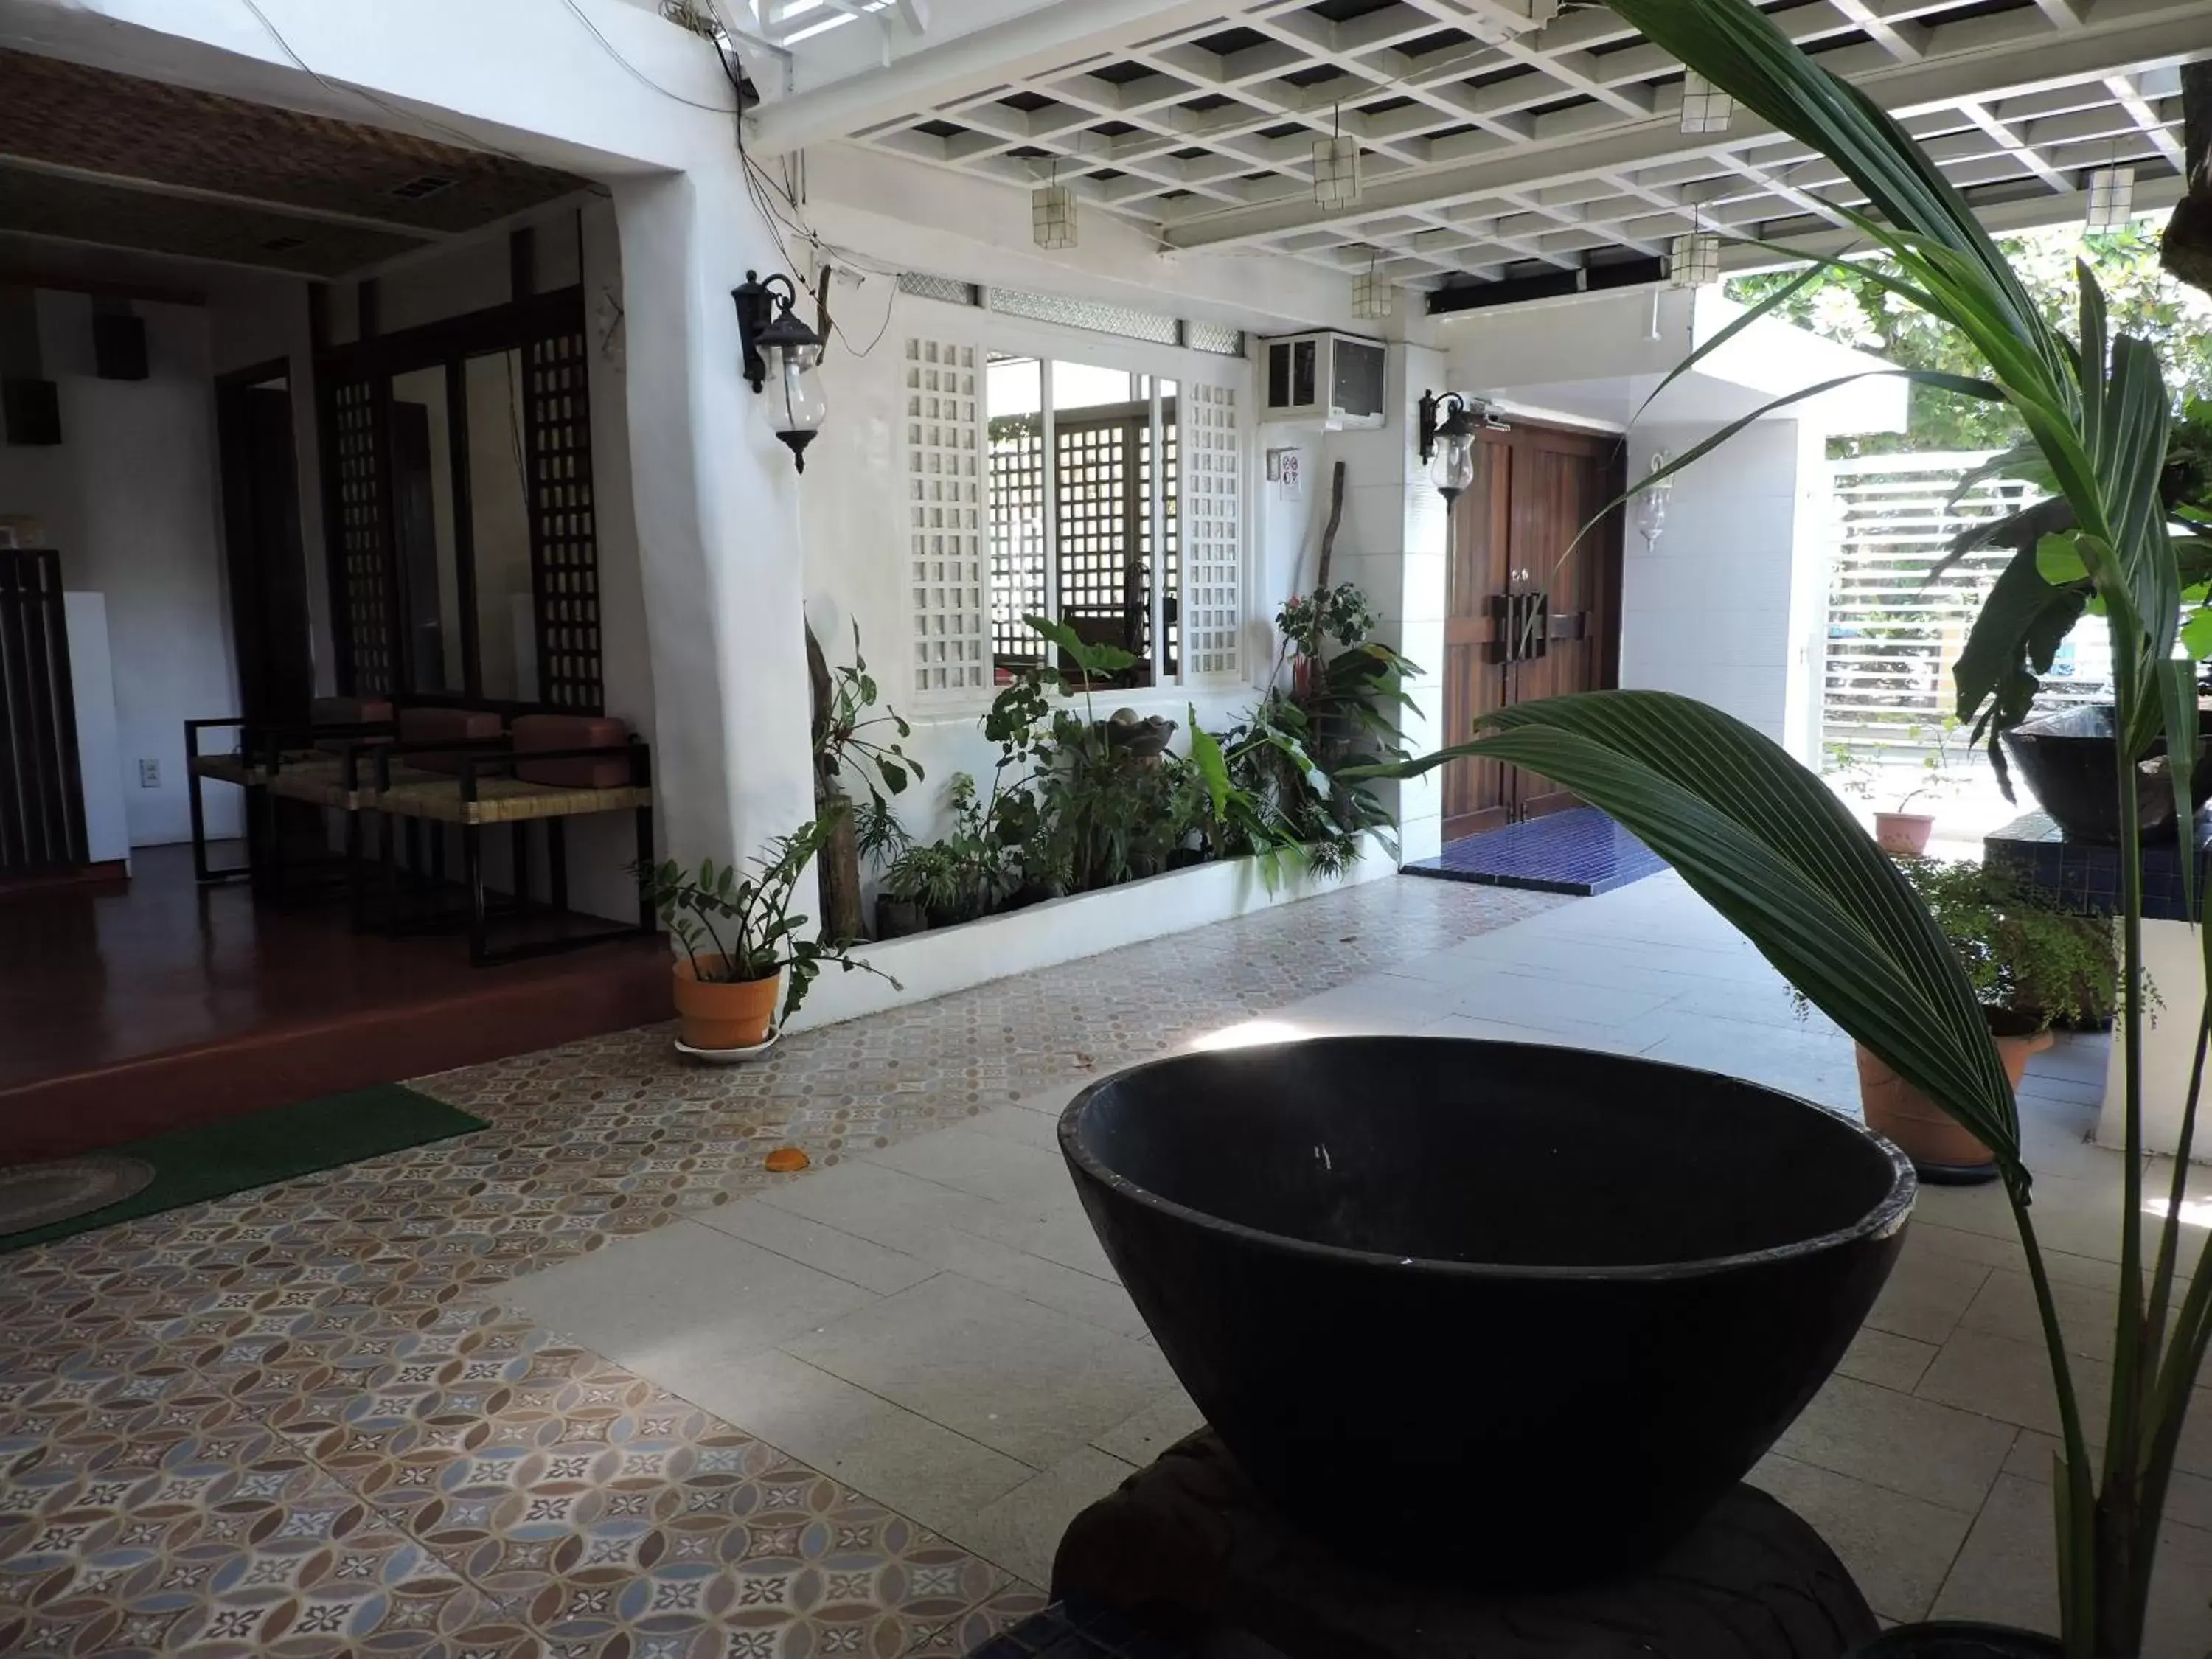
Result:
x=1451 y=468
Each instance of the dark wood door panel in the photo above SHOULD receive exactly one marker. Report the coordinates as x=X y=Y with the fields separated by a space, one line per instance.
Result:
x=1514 y=537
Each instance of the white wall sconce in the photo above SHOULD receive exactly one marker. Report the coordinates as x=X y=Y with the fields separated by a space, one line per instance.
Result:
x=1693 y=260
x=1052 y=215
x=1706 y=107
x=778 y=347
x=1651 y=503
x=2111 y=198
x=1447 y=427
x=1336 y=168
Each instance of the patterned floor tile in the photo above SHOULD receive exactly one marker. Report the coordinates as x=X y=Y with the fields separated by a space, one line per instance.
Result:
x=287 y=1423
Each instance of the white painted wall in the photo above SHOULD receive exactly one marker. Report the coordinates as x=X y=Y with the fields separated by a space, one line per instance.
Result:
x=99 y=750
x=129 y=498
x=1721 y=606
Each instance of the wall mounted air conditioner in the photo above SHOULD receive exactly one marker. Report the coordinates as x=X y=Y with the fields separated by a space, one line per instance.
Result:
x=1335 y=378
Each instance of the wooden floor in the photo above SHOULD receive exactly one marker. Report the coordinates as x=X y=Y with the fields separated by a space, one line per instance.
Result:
x=122 y=1013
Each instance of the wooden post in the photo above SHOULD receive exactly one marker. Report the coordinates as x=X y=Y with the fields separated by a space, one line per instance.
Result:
x=2186 y=250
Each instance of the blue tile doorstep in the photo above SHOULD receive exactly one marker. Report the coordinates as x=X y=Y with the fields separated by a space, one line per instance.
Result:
x=1580 y=851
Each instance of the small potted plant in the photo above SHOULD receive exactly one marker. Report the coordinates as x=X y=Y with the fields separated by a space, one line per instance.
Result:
x=742 y=946
x=1899 y=830
x=2033 y=965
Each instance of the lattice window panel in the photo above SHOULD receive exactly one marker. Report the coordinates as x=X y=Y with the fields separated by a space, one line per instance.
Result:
x=364 y=557
x=556 y=422
x=1103 y=509
x=1212 y=552
x=1171 y=535
x=949 y=574
x=1018 y=538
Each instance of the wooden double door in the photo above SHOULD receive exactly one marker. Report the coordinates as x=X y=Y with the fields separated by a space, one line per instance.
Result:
x=1528 y=618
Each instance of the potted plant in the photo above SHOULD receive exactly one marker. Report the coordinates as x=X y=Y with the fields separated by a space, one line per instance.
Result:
x=847 y=742
x=1900 y=829
x=2032 y=964
x=741 y=943
x=1772 y=848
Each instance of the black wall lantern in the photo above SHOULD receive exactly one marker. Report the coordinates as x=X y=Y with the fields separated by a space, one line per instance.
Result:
x=1448 y=424
x=780 y=350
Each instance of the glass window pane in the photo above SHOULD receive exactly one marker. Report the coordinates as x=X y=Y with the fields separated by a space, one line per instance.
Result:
x=507 y=632
x=422 y=531
x=1102 y=509
x=1016 y=391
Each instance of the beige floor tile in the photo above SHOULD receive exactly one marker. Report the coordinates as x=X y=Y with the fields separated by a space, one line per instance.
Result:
x=2188 y=1496
x=1021 y=1532
x=872 y=1201
x=1022 y=1378
x=818 y=1245
x=1021 y=1122
x=1093 y=1299
x=1917 y=1446
x=1894 y=1362
x=678 y=1303
x=1897 y=1548
x=988 y=1166
x=1929 y=1235
x=1926 y=1293
x=923 y=1470
x=1141 y=1439
x=2007 y=1571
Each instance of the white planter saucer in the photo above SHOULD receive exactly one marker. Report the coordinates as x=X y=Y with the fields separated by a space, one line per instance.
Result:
x=727 y=1056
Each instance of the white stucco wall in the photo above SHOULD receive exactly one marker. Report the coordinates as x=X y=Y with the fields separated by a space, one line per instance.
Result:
x=1725 y=606
x=129 y=499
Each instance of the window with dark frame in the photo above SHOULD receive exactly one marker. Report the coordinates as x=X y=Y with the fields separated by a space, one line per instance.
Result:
x=466 y=533
x=1083 y=522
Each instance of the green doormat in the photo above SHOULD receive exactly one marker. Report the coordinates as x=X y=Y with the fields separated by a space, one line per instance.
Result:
x=215 y=1159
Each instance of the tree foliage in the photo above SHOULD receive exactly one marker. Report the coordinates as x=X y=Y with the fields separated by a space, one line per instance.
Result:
x=1854 y=308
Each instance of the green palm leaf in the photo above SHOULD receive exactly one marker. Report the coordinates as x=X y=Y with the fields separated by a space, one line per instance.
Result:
x=1770 y=846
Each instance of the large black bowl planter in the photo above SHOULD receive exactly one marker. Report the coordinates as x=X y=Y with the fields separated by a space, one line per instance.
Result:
x=2071 y=764
x=1517 y=1313
x=1956 y=1639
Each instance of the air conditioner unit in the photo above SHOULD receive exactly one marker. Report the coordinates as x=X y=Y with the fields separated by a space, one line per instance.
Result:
x=1335 y=378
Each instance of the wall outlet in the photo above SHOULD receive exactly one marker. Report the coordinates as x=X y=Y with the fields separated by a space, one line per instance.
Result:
x=149 y=774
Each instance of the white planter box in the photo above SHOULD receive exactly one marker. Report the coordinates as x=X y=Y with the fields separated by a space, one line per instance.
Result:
x=946 y=959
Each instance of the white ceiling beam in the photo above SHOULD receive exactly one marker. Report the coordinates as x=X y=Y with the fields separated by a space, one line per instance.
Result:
x=2064 y=14
x=1040 y=42
x=2129 y=98
x=2014 y=145
x=1906 y=42
x=2144 y=34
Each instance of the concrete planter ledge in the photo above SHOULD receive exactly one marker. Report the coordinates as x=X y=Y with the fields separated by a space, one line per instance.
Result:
x=947 y=959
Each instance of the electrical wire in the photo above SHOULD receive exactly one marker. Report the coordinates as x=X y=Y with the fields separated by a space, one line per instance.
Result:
x=639 y=75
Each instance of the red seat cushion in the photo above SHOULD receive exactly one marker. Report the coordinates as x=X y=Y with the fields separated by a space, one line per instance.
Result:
x=444 y=726
x=573 y=731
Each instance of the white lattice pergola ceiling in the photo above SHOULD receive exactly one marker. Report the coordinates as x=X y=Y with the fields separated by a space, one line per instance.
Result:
x=1492 y=150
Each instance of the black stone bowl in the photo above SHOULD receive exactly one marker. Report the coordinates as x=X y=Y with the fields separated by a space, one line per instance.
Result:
x=2071 y=762
x=1513 y=1312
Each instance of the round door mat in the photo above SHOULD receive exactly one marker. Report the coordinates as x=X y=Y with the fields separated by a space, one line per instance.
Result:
x=39 y=1195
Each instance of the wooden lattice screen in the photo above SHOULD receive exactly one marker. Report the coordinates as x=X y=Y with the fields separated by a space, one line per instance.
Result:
x=1103 y=516
x=365 y=571
x=563 y=534
x=1018 y=537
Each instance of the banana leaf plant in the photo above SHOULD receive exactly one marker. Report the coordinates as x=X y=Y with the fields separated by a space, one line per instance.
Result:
x=1770 y=846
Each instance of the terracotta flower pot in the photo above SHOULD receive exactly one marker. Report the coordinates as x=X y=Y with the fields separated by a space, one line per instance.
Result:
x=723 y=1014
x=1903 y=832
x=1942 y=1151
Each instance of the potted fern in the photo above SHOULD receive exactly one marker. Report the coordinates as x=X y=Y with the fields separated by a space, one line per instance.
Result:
x=1771 y=847
x=2033 y=965
x=742 y=946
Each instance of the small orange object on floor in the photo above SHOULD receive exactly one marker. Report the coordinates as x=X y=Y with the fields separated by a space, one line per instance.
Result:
x=787 y=1160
